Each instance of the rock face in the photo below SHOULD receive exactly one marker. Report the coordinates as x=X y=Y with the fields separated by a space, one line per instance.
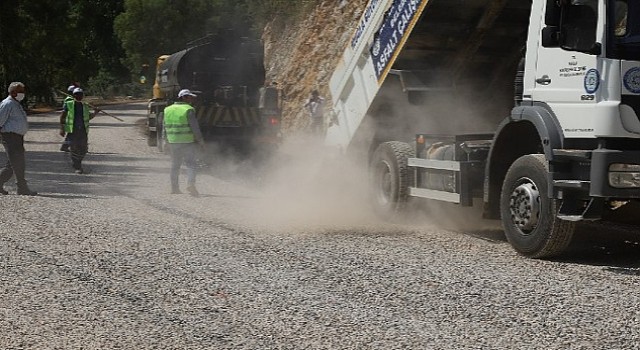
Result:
x=301 y=56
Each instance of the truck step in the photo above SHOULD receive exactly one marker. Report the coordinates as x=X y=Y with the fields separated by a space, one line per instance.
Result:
x=575 y=154
x=433 y=194
x=572 y=184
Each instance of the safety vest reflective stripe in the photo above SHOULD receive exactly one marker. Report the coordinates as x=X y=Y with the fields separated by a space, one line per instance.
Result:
x=176 y=123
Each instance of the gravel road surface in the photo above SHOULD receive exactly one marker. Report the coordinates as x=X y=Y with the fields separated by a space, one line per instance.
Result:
x=279 y=256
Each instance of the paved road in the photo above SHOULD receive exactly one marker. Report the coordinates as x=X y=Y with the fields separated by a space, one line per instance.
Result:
x=279 y=256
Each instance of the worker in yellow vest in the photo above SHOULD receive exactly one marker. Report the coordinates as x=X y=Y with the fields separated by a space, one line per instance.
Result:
x=74 y=124
x=184 y=136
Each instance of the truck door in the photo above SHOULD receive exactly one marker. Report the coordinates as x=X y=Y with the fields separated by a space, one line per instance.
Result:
x=567 y=76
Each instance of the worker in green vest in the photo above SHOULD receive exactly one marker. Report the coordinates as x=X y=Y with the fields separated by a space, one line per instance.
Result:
x=67 y=141
x=184 y=136
x=74 y=123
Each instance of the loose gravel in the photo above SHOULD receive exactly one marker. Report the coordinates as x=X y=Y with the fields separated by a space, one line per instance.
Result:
x=110 y=260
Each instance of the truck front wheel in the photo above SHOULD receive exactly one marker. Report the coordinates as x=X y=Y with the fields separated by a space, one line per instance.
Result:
x=390 y=178
x=528 y=215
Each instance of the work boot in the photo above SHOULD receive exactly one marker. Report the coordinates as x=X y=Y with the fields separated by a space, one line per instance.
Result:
x=192 y=190
x=64 y=147
x=26 y=192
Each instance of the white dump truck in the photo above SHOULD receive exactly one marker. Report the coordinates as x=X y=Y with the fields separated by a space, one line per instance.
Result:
x=530 y=107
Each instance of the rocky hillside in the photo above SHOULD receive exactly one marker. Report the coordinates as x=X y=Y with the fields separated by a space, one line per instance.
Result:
x=301 y=56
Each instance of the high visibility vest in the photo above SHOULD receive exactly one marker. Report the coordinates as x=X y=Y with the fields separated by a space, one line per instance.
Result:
x=176 y=123
x=71 y=112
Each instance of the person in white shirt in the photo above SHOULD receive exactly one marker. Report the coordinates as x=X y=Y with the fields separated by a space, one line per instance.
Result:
x=13 y=127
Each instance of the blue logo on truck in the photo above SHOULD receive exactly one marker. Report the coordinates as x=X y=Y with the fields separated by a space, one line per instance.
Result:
x=398 y=23
x=632 y=80
x=591 y=81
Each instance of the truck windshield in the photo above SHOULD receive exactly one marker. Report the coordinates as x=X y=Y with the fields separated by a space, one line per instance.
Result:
x=621 y=10
x=624 y=30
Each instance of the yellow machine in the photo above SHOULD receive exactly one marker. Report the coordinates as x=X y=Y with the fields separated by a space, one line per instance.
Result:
x=157 y=92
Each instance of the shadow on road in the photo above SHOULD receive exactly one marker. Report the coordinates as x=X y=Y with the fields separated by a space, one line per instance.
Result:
x=593 y=244
x=602 y=244
x=52 y=175
x=597 y=244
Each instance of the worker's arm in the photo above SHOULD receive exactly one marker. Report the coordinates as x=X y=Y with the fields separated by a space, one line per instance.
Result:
x=63 y=120
x=4 y=113
x=195 y=128
x=96 y=110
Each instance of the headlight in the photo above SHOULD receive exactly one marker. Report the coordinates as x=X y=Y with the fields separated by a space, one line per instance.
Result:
x=624 y=175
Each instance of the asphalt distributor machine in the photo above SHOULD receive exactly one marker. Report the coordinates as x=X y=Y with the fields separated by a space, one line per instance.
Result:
x=235 y=108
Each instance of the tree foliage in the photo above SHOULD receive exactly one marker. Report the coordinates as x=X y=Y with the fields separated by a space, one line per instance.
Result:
x=48 y=44
x=149 y=28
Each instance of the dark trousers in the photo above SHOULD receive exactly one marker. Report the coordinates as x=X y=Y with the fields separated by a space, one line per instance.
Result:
x=14 y=146
x=79 y=146
x=67 y=141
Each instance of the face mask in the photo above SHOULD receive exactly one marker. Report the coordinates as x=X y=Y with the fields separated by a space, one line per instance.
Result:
x=20 y=96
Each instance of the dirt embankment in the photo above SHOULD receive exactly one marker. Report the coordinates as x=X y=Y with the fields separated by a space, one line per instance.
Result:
x=301 y=57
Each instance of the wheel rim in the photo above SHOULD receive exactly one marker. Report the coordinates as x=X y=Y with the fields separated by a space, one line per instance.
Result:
x=384 y=183
x=524 y=205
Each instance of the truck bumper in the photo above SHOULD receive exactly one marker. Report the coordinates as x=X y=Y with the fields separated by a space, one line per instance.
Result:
x=601 y=161
x=581 y=179
x=586 y=172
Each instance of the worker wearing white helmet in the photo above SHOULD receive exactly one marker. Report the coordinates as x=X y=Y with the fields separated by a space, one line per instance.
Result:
x=183 y=134
x=74 y=123
x=67 y=141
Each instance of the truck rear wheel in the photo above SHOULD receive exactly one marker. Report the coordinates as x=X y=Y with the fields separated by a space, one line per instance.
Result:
x=151 y=135
x=152 y=139
x=528 y=215
x=390 y=178
x=159 y=133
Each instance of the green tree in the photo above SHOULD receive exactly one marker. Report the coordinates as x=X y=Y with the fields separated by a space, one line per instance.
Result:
x=150 y=28
x=34 y=44
x=102 y=51
x=49 y=43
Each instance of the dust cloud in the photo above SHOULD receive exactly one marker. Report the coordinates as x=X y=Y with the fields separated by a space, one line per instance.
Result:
x=305 y=184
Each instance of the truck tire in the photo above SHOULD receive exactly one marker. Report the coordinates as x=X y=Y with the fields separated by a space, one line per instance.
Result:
x=159 y=132
x=528 y=215
x=151 y=135
x=152 y=139
x=390 y=178
x=160 y=142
